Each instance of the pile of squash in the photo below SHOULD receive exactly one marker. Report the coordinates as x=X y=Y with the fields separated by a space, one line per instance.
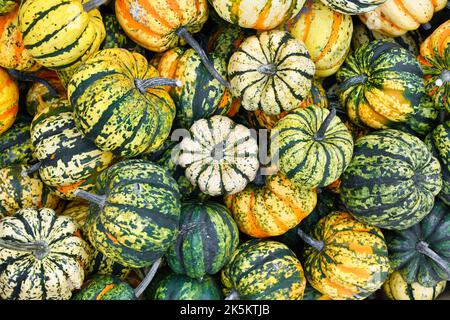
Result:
x=224 y=149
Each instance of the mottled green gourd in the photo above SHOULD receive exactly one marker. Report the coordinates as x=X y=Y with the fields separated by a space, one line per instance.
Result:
x=115 y=36
x=15 y=145
x=396 y=288
x=102 y=265
x=391 y=181
x=105 y=287
x=423 y=120
x=7 y=6
x=207 y=238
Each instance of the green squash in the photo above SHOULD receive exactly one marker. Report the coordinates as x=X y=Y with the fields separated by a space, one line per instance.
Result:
x=102 y=265
x=327 y=202
x=227 y=39
x=15 y=145
x=391 y=181
x=105 y=287
x=115 y=36
x=313 y=294
x=207 y=238
x=438 y=142
x=7 y=6
x=421 y=253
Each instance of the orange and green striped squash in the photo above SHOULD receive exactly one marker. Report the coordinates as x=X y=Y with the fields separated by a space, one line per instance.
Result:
x=327 y=35
x=272 y=209
x=13 y=54
x=9 y=100
x=435 y=60
x=259 y=15
x=346 y=259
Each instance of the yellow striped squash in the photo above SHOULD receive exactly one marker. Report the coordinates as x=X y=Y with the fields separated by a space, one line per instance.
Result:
x=396 y=17
x=9 y=100
x=60 y=33
x=326 y=33
x=345 y=258
x=260 y=15
x=396 y=288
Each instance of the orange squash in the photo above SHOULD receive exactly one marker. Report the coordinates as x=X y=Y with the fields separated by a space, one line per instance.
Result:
x=9 y=100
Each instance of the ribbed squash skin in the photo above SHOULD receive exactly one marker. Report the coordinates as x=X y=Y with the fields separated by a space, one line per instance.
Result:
x=391 y=181
x=261 y=15
x=77 y=210
x=396 y=288
x=396 y=17
x=200 y=96
x=157 y=21
x=13 y=54
x=110 y=111
x=140 y=217
x=313 y=294
x=115 y=36
x=67 y=158
x=105 y=287
x=17 y=192
x=180 y=287
x=272 y=209
x=327 y=35
x=9 y=101
x=38 y=97
x=7 y=6
x=207 y=238
x=307 y=161
x=413 y=265
x=25 y=277
x=353 y=262
x=102 y=265
x=423 y=120
x=220 y=156
x=435 y=60
x=285 y=86
x=271 y=265
x=353 y=6
x=59 y=34
x=438 y=142
x=15 y=145
x=381 y=83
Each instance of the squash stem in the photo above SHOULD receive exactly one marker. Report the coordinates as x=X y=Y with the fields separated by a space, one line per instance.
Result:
x=91 y=197
x=39 y=248
x=143 y=85
x=93 y=4
x=27 y=172
x=424 y=249
x=267 y=69
x=316 y=244
x=182 y=32
x=320 y=134
x=32 y=78
x=353 y=81
x=148 y=278
x=234 y=295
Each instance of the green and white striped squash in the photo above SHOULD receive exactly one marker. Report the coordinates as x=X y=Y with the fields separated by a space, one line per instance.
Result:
x=134 y=214
x=220 y=156
x=271 y=71
x=313 y=146
x=105 y=287
x=207 y=238
x=438 y=142
x=15 y=145
x=42 y=256
x=391 y=181
x=66 y=158
x=353 y=6
x=396 y=288
x=264 y=270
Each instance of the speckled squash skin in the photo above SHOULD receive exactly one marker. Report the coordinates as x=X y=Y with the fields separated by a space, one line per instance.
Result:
x=7 y=6
x=220 y=156
x=67 y=158
x=140 y=217
x=60 y=34
x=180 y=287
x=353 y=262
x=102 y=265
x=227 y=39
x=405 y=257
x=380 y=84
x=271 y=71
x=438 y=142
x=313 y=294
x=115 y=36
x=105 y=287
x=77 y=210
x=308 y=160
x=153 y=24
x=396 y=288
x=9 y=101
x=391 y=181
x=271 y=265
x=423 y=120
x=396 y=17
x=435 y=60
x=272 y=209
x=262 y=15
x=13 y=54
x=110 y=111
x=18 y=192
x=353 y=6
x=326 y=34
x=55 y=275
x=15 y=145
x=327 y=202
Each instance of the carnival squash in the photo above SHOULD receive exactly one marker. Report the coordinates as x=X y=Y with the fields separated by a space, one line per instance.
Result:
x=396 y=288
x=105 y=287
x=9 y=100
x=353 y=6
x=15 y=145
